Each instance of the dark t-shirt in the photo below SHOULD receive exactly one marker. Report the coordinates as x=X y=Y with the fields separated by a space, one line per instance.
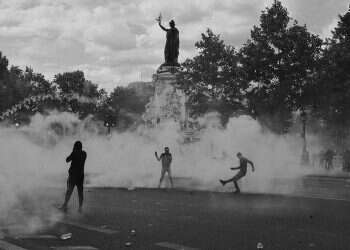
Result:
x=77 y=160
x=243 y=165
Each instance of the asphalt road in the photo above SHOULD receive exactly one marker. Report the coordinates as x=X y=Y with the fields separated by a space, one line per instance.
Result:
x=151 y=219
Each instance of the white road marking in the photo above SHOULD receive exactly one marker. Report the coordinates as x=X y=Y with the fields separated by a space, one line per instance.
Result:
x=74 y=248
x=89 y=227
x=174 y=246
x=4 y=245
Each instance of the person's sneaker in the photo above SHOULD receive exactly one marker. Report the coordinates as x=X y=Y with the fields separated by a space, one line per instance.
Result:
x=222 y=182
x=80 y=210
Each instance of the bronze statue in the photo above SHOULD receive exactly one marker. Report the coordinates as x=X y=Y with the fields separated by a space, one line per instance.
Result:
x=171 y=50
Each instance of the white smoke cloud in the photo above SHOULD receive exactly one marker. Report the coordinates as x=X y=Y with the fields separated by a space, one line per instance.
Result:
x=33 y=160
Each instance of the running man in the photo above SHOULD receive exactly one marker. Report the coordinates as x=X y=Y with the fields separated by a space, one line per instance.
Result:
x=166 y=159
x=243 y=162
x=76 y=175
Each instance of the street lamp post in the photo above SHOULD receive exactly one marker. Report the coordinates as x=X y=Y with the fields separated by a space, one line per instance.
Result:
x=108 y=126
x=110 y=119
x=305 y=160
x=16 y=121
x=110 y=122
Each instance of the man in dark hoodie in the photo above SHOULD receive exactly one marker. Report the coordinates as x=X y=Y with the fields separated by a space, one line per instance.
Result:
x=76 y=174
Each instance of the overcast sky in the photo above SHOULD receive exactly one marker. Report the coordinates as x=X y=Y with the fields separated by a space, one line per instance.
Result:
x=118 y=41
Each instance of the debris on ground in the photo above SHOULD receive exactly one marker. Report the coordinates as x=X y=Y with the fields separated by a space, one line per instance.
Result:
x=259 y=245
x=66 y=236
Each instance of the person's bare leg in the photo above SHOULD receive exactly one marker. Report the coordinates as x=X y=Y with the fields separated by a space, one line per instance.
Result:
x=68 y=195
x=237 y=187
x=171 y=179
x=224 y=182
x=70 y=188
x=80 y=188
x=161 y=178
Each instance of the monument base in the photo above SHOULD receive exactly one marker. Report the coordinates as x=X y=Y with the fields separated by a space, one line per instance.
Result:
x=168 y=102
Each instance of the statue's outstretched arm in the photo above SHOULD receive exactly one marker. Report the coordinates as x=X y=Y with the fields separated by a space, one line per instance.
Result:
x=162 y=27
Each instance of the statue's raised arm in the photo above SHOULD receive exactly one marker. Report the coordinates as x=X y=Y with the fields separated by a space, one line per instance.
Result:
x=159 y=19
x=171 y=50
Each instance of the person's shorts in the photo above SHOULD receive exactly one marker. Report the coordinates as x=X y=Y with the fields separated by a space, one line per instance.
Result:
x=166 y=170
x=238 y=176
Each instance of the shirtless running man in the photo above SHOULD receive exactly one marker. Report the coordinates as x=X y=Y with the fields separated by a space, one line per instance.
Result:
x=243 y=162
x=166 y=159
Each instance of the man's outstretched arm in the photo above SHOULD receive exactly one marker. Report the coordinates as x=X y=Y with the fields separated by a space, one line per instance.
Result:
x=234 y=168
x=251 y=164
x=156 y=154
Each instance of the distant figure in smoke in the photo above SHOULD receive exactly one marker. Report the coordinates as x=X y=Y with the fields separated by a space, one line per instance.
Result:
x=329 y=156
x=166 y=159
x=76 y=174
x=346 y=160
x=322 y=159
x=243 y=162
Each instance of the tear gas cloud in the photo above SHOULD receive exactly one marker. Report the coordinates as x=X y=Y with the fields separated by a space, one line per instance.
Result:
x=33 y=158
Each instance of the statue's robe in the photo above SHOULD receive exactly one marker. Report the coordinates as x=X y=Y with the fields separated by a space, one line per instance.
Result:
x=171 y=51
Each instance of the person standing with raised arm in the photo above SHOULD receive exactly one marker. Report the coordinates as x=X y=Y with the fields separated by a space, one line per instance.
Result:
x=166 y=159
x=243 y=163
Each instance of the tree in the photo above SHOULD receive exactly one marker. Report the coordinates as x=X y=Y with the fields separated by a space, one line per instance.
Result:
x=70 y=82
x=90 y=90
x=279 y=61
x=86 y=93
x=13 y=87
x=212 y=78
x=122 y=108
x=333 y=102
x=39 y=85
x=3 y=66
x=126 y=99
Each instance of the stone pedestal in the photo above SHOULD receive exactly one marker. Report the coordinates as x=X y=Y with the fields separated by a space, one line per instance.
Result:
x=168 y=102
